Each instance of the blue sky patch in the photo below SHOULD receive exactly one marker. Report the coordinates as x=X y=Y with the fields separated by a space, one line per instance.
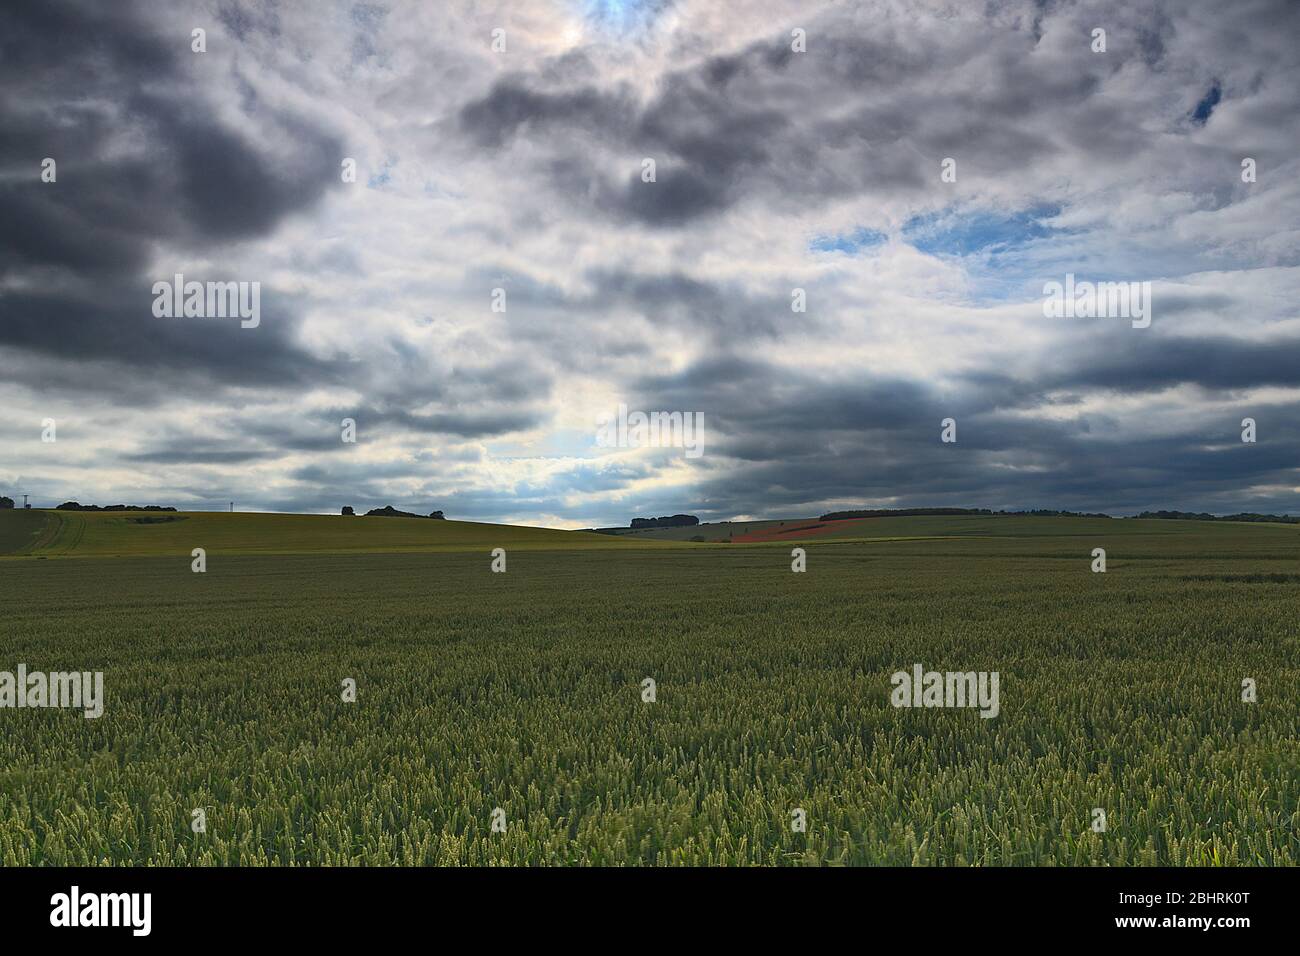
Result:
x=964 y=234
x=1208 y=102
x=849 y=243
x=623 y=16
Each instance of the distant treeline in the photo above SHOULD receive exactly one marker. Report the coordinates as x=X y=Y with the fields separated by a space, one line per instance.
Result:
x=77 y=506
x=672 y=521
x=914 y=512
x=1051 y=513
x=1202 y=516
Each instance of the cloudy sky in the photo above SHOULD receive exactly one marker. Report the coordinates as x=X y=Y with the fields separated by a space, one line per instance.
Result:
x=776 y=169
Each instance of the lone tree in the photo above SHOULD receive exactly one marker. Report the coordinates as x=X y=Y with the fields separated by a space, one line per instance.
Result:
x=6 y=502
x=347 y=510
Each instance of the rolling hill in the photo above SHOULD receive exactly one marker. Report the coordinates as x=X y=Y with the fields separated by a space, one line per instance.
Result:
x=42 y=533
x=47 y=533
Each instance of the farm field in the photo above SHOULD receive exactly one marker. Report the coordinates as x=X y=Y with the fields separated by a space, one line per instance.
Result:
x=522 y=691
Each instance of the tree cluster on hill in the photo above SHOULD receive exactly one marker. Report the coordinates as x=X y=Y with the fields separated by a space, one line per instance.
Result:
x=388 y=511
x=77 y=506
x=1203 y=516
x=672 y=521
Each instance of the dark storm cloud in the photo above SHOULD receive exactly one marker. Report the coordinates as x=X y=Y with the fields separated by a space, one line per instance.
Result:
x=221 y=184
x=190 y=179
x=187 y=453
x=373 y=422
x=801 y=440
x=512 y=108
x=1062 y=470
x=474 y=403
x=112 y=321
x=145 y=166
x=1139 y=364
x=769 y=125
x=767 y=411
x=468 y=424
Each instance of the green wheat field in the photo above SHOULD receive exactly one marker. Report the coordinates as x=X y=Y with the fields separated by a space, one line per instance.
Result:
x=522 y=691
